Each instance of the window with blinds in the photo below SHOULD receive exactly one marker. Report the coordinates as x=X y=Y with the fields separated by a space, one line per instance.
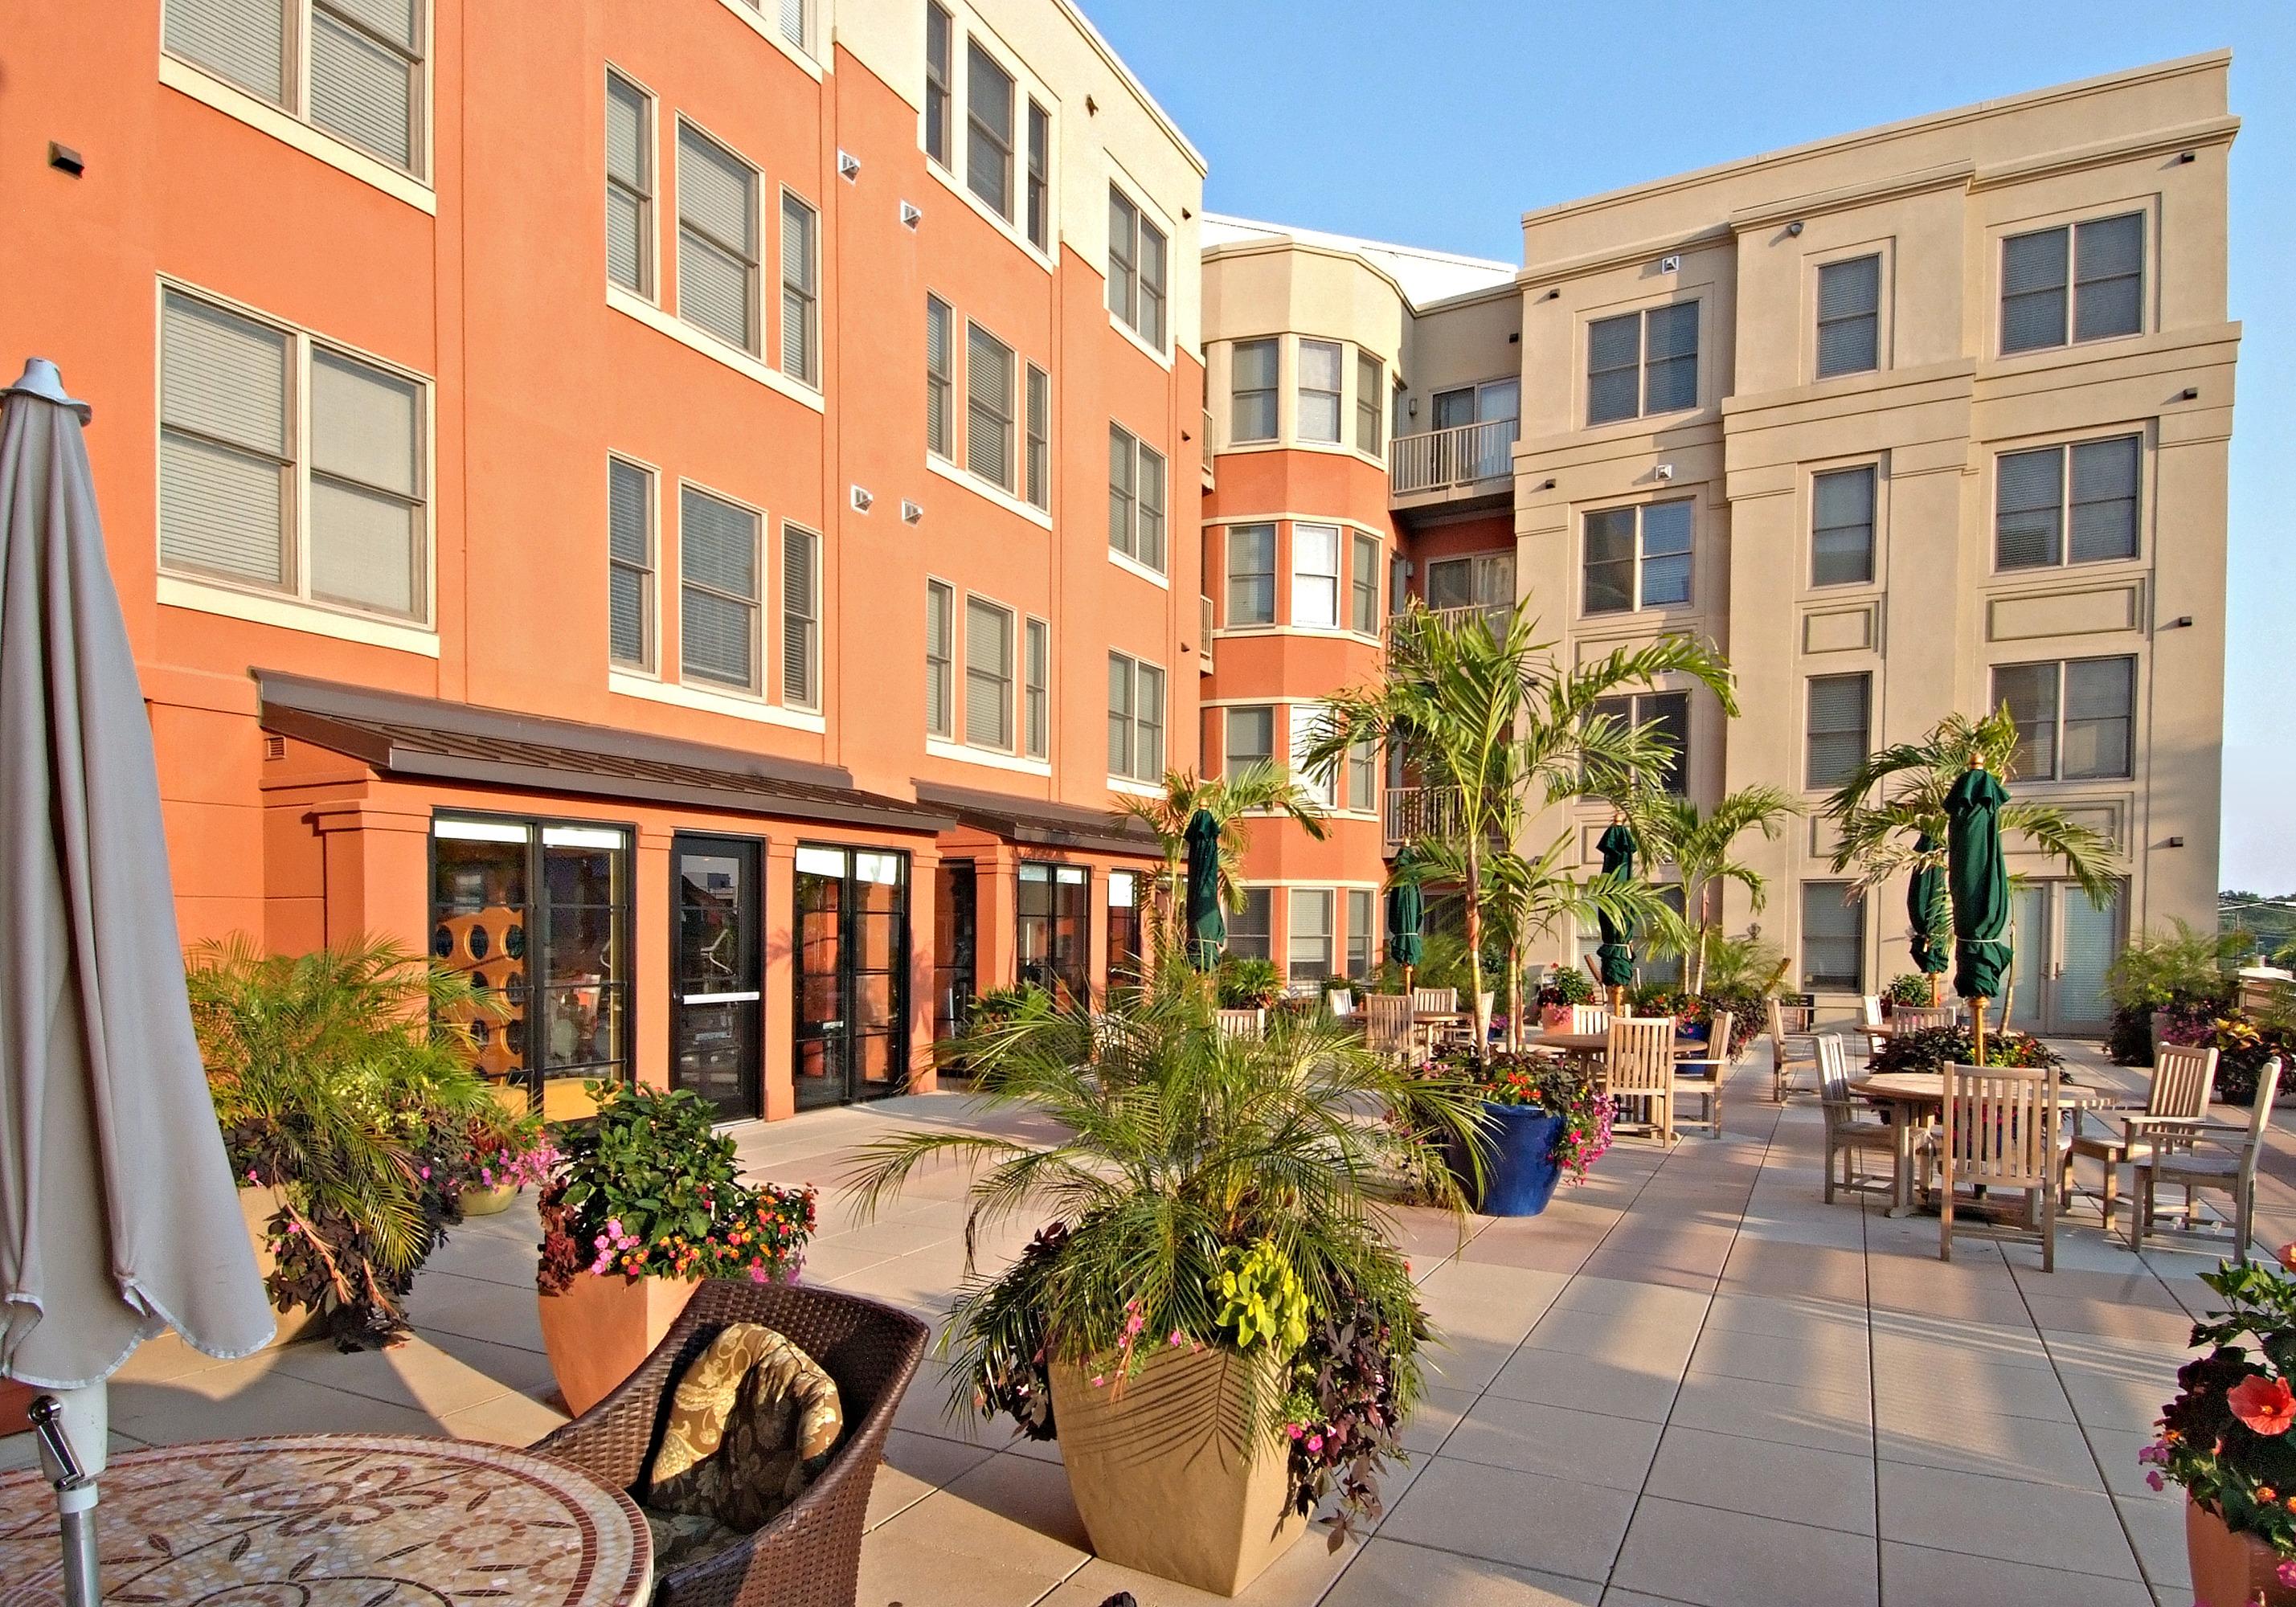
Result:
x=1136 y=269
x=939 y=33
x=1664 y=716
x=2085 y=281
x=2075 y=718
x=940 y=656
x=1150 y=510
x=2075 y=503
x=1040 y=157
x=717 y=240
x=1319 y=390
x=940 y=379
x=1135 y=718
x=244 y=41
x=1307 y=942
x=1251 y=378
x=800 y=298
x=1150 y=324
x=1642 y=363
x=988 y=674
x=987 y=407
x=1035 y=697
x=364 y=81
x=1841 y=526
x=1316 y=575
x=1848 y=317
x=1250 y=928
x=1363 y=935
x=629 y=184
x=1039 y=474
x=367 y=495
x=800 y=617
x=630 y=563
x=1249 y=740
x=1371 y=392
x=1839 y=739
x=796 y=24
x=1252 y=574
x=1363 y=587
x=226 y=460
x=1637 y=558
x=1309 y=721
x=719 y=565
x=988 y=130
x=1363 y=777
x=1833 y=937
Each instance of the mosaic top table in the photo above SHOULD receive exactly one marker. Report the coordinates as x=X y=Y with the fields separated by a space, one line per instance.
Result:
x=340 y=1520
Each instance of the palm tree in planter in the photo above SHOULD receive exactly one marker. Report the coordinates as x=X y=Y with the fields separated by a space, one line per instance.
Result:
x=1700 y=843
x=1258 y=788
x=1485 y=713
x=1217 y=1325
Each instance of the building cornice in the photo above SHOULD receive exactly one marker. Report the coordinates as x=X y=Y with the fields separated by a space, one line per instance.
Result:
x=2160 y=142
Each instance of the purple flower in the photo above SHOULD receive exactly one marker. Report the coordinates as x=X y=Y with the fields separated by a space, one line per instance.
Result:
x=2154 y=1478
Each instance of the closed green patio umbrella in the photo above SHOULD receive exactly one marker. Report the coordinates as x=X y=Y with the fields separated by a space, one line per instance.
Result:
x=1207 y=922
x=1977 y=876
x=1929 y=915
x=1614 y=960
x=1407 y=910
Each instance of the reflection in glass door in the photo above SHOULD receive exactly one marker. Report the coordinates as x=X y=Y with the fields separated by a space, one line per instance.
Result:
x=2064 y=945
x=956 y=924
x=852 y=1027
x=713 y=979
x=1053 y=929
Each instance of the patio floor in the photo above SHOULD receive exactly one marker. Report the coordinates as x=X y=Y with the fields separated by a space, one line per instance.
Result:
x=1690 y=1381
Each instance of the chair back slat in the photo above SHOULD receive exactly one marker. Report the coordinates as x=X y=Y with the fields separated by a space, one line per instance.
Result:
x=1914 y=1018
x=2181 y=1075
x=1717 y=1039
x=1589 y=1018
x=1869 y=1010
x=1240 y=1023
x=1435 y=998
x=2267 y=1084
x=1640 y=1058
x=1387 y=1023
x=2000 y=1126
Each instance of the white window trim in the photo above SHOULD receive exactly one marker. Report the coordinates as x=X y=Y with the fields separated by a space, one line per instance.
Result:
x=768 y=238
x=941 y=747
x=820 y=289
x=710 y=345
x=966 y=26
x=755 y=21
x=651 y=670
x=653 y=241
x=1341 y=540
x=630 y=683
x=812 y=705
x=1133 y=566
x=957 y=474
x=294 y=613
x=1016 y=669
x=766 y=638
x=288 y=129
x=1129 y=788
x=1136 y=194
x=1139 y=663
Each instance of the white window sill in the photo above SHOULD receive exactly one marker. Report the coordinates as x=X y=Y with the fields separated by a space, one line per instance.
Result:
x=756 y=24
x=1133 y=566
x=262 y=115
x=987 y=214
x=939 y=747
x=293 y=613
x=981 y=489
x=710 y=345
x=1162 y=358
x=1326 y=632
x=1134 y=788
x=631 y=683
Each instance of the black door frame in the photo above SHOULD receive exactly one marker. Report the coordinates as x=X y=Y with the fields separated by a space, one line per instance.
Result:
x=751 y=924
x=963 y=959
x=845 y=1077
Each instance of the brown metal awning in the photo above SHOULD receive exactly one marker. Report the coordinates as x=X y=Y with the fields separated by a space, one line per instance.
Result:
x=1047 y=824
x=400 y=734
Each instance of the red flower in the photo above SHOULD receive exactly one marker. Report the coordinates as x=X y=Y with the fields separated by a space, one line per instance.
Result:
x=2265 y=1404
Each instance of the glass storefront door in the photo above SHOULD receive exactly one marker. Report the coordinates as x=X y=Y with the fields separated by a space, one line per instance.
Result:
x=1125 y=963
x=852 y=926
x=714 y=983
x=1052 y=931
x=956 y=928
x=2064 y=945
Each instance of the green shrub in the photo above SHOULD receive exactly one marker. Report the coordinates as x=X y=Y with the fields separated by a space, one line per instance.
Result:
x=1910 y=987
x=1566 y=985
x=2183 y=969
x=1938 y=1047
x=1247 y=982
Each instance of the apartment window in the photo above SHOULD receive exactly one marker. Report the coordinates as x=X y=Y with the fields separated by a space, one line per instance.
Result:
x=629 y=184
x=1036 y=699
x=1363 y=935
x=800 y=300
x=1315 y=574
x=1642 y=363
x=941 y=659
x=1665 y=714
x=987 y=407
x=1848 y=317
x=2087 y=281
x=1363 y=587
x=1249 y=929
x=1252 y=574
x=988 y=129
x=1319 y=390
x=1486 y=582
x=794 y=27
x=231 y=459
x=1833 y=937
x=363 y=62
x=940 y=379
x=1040 y=146
x=1040 y=438
x=1839 y=728
x=1251 y=371
x=629 y=564
x=1136 y=269
x=1307 y=945
x=1135 y=718
x=719 y=569
x=1363 y=777
x=988 y=674
x=940 y=31
x=1638 y=558
x=1308 y=722
x=1250 y=740
x=1371 y=390
x=717 y=240
x=800 y=617
x=2066 y=504
x=1841 y=526
x=1135 y=499
x=2074 y=718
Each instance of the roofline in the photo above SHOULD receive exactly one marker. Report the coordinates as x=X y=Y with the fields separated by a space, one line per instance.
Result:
x=1426 y=253
x=1156 y=112
x=1976 y=111
x=1252 y=248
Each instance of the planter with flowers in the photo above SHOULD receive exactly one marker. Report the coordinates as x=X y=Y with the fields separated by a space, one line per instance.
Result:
x=504 y=1158
x=1540 y=1120
x=2226 y=1440
x=1563 y=988
x=647 y=1202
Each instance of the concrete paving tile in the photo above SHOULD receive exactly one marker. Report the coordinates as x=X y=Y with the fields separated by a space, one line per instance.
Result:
x=1706 y=1555
x=510 y=1419
x=1559 y=1378
x=505 y=1312
x=2157 y=1529
x=1825 y=1419
x=1031 y=1493
x=1652 y=1302
x=1394 y=1573
x=1297 y=1578
x=916 y=1465
x=2025 y=1448
x=1782 y=1316
x=2042 y=1524
x=1916 y=1576
x=1909 y=1395
x=172 y=1412
x=1524 y=1519
x=946 y=1552
x=1437 y=1414
x=1766 y=1478
x=1657 y=1345
x=423 y=1374
x=1835 y=1357
x=2115 y=1451
x=1531 y=1438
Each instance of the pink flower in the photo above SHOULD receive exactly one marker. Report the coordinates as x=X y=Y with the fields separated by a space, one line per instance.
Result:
x=2266 y=1404
x=426 y=1171
x=1294 y=1430
x=1176 y=1339
x=2286 y=1573
x=1314 y=1443
x=2154 y=1478
x=1099 y=1381
x=757 y=1272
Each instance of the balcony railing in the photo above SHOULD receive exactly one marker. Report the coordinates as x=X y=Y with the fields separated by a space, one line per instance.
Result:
x=1495 y=612
x=1442 y=459
x=1413 y=812
x=1204 y=637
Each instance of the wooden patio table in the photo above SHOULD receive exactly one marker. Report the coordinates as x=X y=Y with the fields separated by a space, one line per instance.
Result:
x=1916 y=1097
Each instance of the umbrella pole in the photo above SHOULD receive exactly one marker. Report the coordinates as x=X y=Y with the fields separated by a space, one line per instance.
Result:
x=74 y=1430
x=1977 y=1027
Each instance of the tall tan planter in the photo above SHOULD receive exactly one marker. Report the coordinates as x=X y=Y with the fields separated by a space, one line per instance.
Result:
x=1161 y=1477
x=258 y=1206
x=2230 y=1569
x=599 y=1331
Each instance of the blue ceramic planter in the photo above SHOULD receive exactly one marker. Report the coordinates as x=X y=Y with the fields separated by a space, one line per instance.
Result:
x=1519 y=1167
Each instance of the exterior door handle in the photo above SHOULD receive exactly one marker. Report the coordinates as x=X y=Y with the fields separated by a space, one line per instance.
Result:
x=718 y=998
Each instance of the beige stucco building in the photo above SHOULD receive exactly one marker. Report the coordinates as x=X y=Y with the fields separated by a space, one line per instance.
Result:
x=1913 y=421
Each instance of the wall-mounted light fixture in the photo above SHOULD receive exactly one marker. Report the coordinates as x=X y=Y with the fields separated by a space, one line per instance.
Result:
x=2181 y=622
x=1546 y=485
x=2174 y=842
x=1553 y=292
x=912 y=512
x=1669 y=265
x=863 y=499
x=2187 y=156
x=912 y=214
x=849 y=165
x=1794 y=227
x=2191 y=393
x=1665 y=472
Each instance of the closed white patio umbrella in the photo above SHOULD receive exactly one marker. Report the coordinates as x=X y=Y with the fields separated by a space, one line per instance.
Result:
x=117 y=1215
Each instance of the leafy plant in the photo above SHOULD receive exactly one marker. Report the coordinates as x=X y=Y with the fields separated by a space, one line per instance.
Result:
x=2243 y=1041
x=1505 y=1079
x=1000 y=1005
x=1247 y=982
x=650 y=1189
x=1566 y=985
x=1344 y=1414
x=1940 y=1047
x=1914 y=987
x=342 y=1077
x=1257 y=789
x=1746 y=964
x=1701 y=842
x=1261 y=1301
x=2183 y=969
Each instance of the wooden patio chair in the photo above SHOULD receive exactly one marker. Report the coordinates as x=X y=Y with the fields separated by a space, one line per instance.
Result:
x=2175 y=1106
x=2228 y=1167
x=1700 y=1077
x=2000 y=1131
x=1445 y=999
x=1852 y=1131
x=1340 y=1002
x=1789 y=1049
x=1589 y=1018
x=1241 y=1023
x=1920 y=1018
x=1869 y=1010
x=1388 y=1027
x=1638 y=1068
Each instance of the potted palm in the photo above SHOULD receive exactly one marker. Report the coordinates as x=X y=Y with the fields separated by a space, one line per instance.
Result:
x=648 y=1201
x=1218 y=1327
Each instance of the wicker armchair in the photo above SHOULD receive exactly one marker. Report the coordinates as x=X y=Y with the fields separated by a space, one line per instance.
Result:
x=810 y=1555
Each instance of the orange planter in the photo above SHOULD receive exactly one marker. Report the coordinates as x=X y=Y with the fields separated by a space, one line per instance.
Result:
x=600 y=1329
x=2230 y=1569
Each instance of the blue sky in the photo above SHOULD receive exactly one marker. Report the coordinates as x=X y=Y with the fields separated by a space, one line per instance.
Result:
x=1440 y=123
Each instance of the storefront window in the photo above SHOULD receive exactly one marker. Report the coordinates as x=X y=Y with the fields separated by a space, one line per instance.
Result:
x=1125 y=968
x=1052 y=929
x=852 y=1027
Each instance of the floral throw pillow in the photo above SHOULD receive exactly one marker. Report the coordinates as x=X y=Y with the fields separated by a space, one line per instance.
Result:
x=752 y=1424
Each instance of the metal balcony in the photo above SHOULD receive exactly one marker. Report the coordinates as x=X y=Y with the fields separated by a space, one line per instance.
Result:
x=1445 y=460
x=1413 y=812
